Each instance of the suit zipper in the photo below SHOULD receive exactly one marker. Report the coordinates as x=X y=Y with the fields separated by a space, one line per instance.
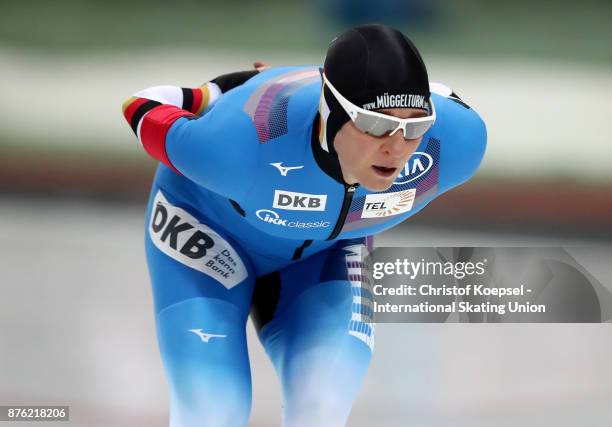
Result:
x=299 y=251
x=349 y=191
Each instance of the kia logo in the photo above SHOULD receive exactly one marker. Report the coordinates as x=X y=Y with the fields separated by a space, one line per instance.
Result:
x=417 y=165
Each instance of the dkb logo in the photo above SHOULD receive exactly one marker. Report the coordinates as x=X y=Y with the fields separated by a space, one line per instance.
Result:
x=299 y=201
x=194 y=247
x=179 y=235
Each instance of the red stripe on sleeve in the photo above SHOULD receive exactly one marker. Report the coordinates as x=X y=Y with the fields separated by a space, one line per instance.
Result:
x=154 y=129
x=197 y=100
x=131 y=109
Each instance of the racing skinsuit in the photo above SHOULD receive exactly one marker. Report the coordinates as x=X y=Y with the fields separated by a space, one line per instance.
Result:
x=249 y=214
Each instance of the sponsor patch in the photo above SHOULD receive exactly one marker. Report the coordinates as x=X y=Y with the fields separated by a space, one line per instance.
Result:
x=299 y=201
x=388 y=204
x=271 y=217
x=285 y=169
x=180 y=236
x=402 y=100
x=206 y=337
x=417 y=165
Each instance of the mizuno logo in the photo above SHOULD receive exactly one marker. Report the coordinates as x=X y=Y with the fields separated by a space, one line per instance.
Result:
x=284 y=169
x=204 y=336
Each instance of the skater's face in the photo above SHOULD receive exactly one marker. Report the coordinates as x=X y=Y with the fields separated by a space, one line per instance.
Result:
x=375 y=162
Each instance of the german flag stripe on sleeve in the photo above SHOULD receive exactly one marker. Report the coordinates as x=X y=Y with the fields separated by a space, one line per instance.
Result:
x=195 y=100
x=204 y=98
x=188 y=99
x=154 y=128
x=130 y=106
x=151 y=112
x=137 y=109
x=128 y=102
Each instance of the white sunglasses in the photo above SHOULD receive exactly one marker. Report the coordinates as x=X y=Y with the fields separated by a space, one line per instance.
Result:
x=378 y=124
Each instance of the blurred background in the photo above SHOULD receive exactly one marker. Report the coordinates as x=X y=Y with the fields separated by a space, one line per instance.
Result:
x=76 y=319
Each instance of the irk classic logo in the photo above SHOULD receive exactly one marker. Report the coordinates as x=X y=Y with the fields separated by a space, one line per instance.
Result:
x=271 y=217
x=388 y=204
x=417 y=165
x=180 y=236
x=299 y=201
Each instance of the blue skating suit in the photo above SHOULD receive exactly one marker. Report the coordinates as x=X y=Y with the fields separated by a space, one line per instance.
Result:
x=249 y=214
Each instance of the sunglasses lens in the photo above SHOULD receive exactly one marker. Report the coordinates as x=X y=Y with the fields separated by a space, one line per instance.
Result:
x=379 y=126
x=416 y=130
x=374 y=125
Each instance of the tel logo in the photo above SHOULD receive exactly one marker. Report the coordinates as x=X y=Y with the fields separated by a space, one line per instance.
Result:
x=388 y=204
